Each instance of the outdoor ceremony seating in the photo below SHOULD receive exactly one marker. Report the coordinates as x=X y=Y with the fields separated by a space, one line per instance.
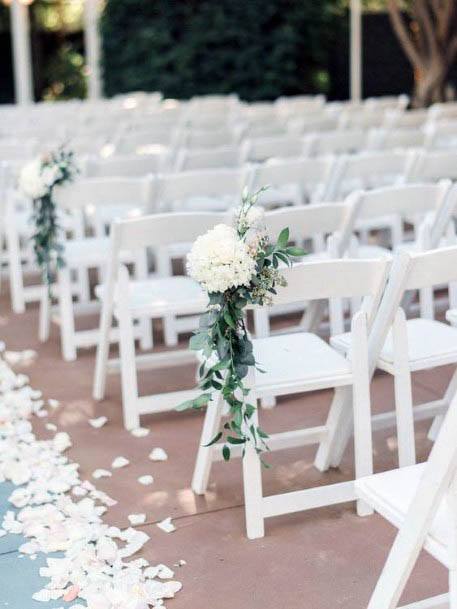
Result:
x=300 y=362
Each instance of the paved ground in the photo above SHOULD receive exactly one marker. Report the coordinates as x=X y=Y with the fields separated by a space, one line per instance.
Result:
x=322 y=559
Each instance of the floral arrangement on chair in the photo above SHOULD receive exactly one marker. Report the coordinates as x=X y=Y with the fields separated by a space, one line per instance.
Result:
x=37 y=181
x=238 y=267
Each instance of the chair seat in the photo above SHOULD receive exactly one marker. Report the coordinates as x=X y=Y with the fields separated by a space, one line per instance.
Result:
x=168 y=295
x=430 y=343
x=92 y=251
x=294 y=362
x=391 y=494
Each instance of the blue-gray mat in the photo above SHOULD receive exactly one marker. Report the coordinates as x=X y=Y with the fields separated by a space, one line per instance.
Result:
x=20 y=576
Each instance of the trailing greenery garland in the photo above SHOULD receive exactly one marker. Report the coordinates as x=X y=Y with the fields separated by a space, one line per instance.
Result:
x=37 y=181
x=222 y=338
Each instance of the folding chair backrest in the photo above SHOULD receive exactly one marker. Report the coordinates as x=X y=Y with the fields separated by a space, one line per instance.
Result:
x=368 y=170
x=210 y=138
x=311 y=175
x=391 y=139
x=261 y=149
x=144 y=141
x=17 y=151
x=327 y=279
x=405 y=200
x=431 y=166
x=213 y=158
x=101 y=192
x=431 y=268
x=335 y=142
x=126 y=166
x=442 y=134
x=160 y=230
x=175 y=189
x=307 y=221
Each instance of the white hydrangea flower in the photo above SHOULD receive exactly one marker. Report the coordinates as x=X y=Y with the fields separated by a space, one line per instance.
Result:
x=31 y=181
x=50 y=174
x=219 y=260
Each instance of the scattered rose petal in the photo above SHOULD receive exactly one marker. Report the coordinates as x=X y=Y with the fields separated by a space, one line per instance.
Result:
x=140 y=432
x=166 y=525
x=101 y=473
x=158 y=454
x=53 y=403
x=146 y=480
x=51 y=427
x=71 y=594
x=97 y=423
x=136 y=519
x=119 y=462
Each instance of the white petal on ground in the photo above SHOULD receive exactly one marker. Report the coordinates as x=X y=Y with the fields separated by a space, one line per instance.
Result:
x=119 y=462
x=101 y=473
x=53 y=403
x=58 y=512
x=51 y=427
x=140 y=432
x=158 y=454
x=166 y=525
x=146 y=480
x=98 y=422
x=136 y=519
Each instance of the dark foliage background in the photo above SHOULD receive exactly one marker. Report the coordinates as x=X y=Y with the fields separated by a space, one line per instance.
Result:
x=258 y=48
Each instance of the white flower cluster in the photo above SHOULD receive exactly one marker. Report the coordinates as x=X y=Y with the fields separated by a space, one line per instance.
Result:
x=253 y=218
x=220 y=260
x=37 y=178
x=56 y=511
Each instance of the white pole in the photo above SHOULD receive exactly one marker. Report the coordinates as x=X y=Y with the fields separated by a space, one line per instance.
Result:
x=356 y=50
x=22 y=57
x=92 y=45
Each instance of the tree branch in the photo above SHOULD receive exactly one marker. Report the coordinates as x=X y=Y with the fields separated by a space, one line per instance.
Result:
x=401 y=31
x=425 y=21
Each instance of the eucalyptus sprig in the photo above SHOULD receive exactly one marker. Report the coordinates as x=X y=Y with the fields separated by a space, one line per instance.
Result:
x=223 y=339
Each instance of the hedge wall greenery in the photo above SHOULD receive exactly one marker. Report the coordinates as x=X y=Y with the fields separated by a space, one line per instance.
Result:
x=257 y=48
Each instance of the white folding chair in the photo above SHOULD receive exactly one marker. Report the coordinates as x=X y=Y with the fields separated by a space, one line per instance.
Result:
x=127 y=300
x=416 y=344
x=292 y=181
x=210 y=138
x=85 y=253
x=300 y=362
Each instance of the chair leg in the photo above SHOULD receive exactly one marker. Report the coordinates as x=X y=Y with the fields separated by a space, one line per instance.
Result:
x=448 y=395
x=204 y=456
x=339 y=419
x=403 y=393
x=128 y=367
x=45 y=315
x=170 y=335
x=146 y=341
x=363 y=444
x=101 y=359
x=15 y=270
x=252 y=484
x=262 y=329
x=82 y=276
x=67 y=321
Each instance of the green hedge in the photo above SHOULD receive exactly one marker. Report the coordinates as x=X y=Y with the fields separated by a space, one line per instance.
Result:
x=258 y=48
